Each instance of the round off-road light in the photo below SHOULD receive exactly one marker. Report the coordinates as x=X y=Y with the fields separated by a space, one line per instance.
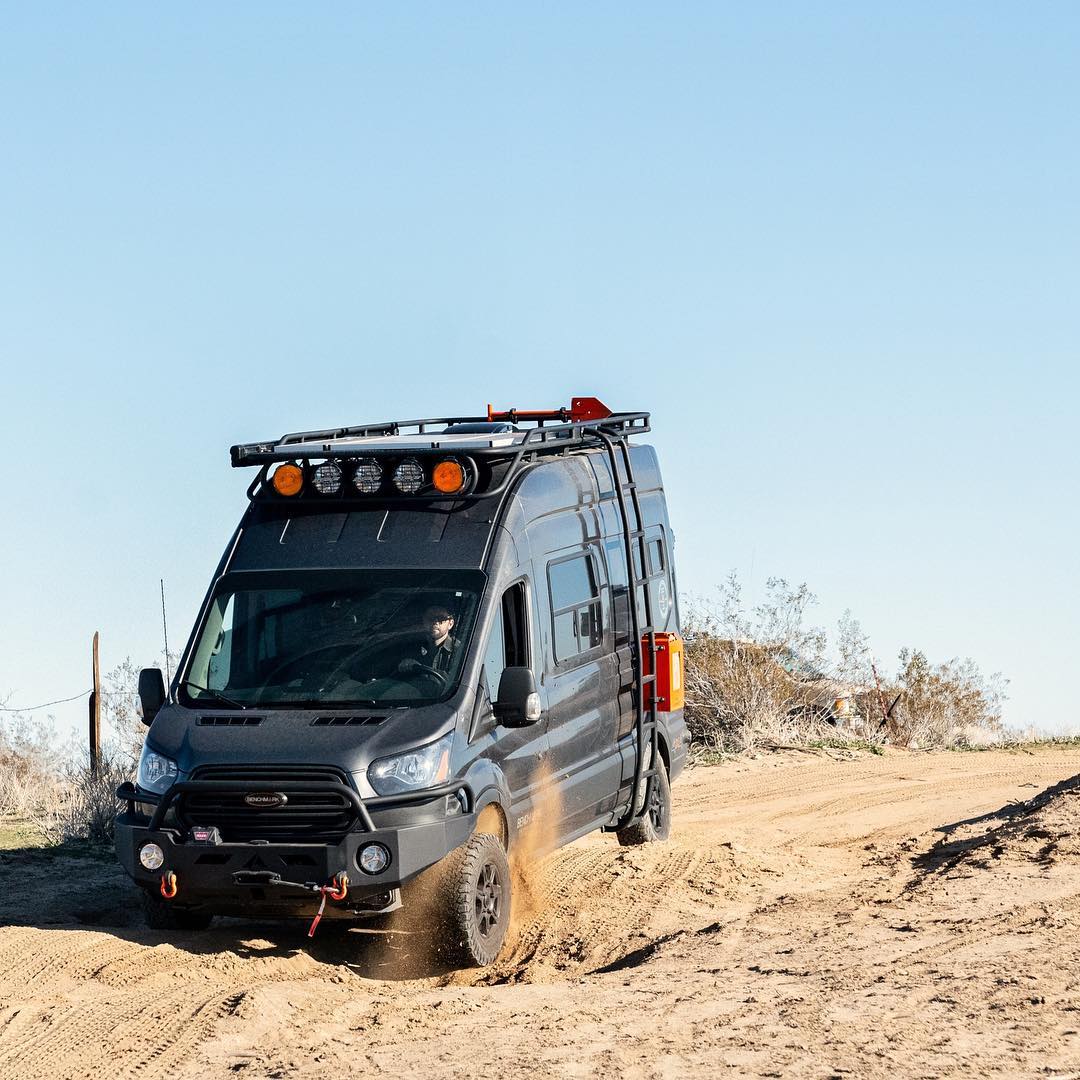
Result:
x=327 y=478
x=373 y=858
x=409 y=477
x=288 y=479
x=448 y=477
x=367 y=476
x=151 y=856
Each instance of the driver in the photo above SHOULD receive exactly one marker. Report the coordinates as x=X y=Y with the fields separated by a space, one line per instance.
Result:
x=437 y=646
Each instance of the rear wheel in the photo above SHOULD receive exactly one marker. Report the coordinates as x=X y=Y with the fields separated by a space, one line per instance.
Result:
x=162 y=914
x=655 y=823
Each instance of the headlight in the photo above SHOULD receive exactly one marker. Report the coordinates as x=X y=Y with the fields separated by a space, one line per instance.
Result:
x=421 y=768
x=156 y=772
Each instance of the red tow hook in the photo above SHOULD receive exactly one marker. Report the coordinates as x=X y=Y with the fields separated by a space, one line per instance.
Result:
x=169 y=888
x=338 y=889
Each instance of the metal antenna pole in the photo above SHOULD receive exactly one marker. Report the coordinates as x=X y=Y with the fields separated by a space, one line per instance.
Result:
x=95 y=710
x=165 y=631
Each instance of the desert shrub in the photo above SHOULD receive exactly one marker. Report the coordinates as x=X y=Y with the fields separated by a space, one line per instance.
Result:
x=29 y=759
x=52 y=786
x=742 y=691
x=739 y=691
x=86 y=809
x=950 y=704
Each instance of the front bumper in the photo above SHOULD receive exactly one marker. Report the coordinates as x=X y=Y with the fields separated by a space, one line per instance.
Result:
x=254 y=877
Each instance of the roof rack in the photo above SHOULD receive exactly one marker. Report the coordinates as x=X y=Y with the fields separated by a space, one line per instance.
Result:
x=498 y=436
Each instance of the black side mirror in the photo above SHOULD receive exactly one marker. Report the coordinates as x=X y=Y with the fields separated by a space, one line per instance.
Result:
x=151 y=694
x=519 y=702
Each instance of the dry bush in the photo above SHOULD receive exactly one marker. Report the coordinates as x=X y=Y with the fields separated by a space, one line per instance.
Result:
x=739 y=695
x=945 y=705
x=29 y=784
x=87 y=808
x=53 y=787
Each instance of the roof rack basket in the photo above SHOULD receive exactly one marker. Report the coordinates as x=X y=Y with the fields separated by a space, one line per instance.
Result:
x=498 y=436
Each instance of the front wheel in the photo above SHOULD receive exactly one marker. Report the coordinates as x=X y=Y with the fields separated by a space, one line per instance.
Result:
x=161 y=914
x=474 y=902
x=655 y=824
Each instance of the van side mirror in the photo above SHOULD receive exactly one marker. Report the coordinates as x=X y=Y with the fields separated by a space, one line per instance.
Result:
x=519 y=703
x=151 y=694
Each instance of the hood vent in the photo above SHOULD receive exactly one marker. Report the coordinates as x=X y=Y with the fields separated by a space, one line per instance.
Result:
x=346 y=721
x=233 y=720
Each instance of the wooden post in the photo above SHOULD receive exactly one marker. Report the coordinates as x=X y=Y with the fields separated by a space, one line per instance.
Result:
x=881 y=699
x=95 y=712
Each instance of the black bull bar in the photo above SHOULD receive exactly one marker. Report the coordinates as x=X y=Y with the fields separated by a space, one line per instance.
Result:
x=413 y=845
x=127 y=792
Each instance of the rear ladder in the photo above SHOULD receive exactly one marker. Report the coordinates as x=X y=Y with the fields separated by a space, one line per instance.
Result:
x=643 y=637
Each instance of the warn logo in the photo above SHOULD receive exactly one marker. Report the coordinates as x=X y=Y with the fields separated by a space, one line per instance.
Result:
x=266 y=800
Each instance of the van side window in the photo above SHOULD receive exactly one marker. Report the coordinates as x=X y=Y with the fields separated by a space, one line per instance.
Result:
x=575 y=606
x=508 y=645
x=495 y=657
x=515 y=626
x=656 y=555
x=620 y=594
x=658 y=592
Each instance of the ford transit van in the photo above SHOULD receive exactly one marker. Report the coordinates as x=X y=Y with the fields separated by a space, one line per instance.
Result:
x=425 y=641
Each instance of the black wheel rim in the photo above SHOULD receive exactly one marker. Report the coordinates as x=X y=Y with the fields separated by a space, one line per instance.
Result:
x=489 y=899
x=656 y=807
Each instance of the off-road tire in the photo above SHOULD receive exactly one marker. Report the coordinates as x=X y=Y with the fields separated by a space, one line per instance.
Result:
x=162 y=914
x=654 y=825
x=470 y=902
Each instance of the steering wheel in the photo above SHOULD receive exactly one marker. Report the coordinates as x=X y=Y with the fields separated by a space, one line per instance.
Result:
x=423 y=671
x=292 y=661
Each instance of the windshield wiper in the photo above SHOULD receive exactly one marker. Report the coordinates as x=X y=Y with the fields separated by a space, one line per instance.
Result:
x=326 y=703
x=217 y=695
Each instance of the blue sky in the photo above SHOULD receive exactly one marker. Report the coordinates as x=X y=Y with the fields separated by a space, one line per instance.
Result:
x=831 y=247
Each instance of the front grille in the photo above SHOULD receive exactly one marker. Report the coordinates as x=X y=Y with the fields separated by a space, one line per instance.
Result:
x=315 y=817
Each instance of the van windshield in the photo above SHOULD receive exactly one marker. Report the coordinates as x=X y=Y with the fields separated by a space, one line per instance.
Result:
x=317 y=639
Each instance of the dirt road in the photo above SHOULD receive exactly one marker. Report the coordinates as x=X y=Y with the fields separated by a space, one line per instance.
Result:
x=906 y=915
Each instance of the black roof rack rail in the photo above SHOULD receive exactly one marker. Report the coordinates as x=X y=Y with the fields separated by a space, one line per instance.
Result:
x=555 y=432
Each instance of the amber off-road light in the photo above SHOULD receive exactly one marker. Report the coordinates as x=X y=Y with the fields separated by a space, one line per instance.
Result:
x=409 y=477
x=367 y=476
x=448 y=477
x=327 y=478
x=288 y=479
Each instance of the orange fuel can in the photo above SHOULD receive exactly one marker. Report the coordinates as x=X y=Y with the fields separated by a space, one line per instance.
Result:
x=670 y=694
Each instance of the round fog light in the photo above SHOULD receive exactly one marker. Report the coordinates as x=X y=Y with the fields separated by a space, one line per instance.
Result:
x=409 y=477
x=327 y=478
x=374 y=858
x=151 y=856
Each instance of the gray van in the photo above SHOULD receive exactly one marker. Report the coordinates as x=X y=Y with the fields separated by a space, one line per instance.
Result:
x=429 y=645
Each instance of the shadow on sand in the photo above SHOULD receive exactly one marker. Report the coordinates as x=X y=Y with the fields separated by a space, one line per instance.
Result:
x=977 y=842
x=75 y=887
